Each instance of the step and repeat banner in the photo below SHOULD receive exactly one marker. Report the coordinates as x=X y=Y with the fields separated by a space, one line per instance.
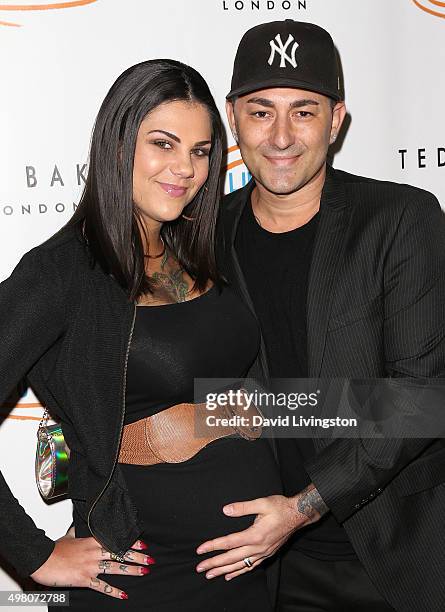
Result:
x=58 y=60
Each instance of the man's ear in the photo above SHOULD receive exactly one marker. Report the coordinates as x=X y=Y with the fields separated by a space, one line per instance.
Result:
x=230 y=111
x=338 y=116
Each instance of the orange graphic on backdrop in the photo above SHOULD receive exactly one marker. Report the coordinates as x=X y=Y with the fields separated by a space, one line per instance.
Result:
x=5 y=411
x=40 y=7
x=423 y=4
x=237 y=162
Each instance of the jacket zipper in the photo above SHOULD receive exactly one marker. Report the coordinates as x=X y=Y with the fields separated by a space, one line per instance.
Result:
x=120 y=554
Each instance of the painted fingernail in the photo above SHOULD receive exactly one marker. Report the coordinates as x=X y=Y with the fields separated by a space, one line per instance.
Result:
x=149 y=560
x=123 y=595
x=145 y=570
x=143 y=545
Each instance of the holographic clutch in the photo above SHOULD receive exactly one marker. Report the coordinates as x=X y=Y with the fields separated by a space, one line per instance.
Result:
x=52 y=457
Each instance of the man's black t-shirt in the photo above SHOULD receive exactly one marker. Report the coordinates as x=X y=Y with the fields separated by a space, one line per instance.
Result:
x=276 y=269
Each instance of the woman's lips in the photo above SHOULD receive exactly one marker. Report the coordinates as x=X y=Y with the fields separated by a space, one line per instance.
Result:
x=173 y=190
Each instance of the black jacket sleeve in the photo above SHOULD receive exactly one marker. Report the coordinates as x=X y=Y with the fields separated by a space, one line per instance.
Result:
x=350 y=472
x=31 y=321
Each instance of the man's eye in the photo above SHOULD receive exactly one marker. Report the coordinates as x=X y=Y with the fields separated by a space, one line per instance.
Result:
x=162 y=144
x=304 y=114
x=260 y=114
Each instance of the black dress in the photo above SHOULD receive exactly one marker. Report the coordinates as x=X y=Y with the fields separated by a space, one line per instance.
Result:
x=180 y=504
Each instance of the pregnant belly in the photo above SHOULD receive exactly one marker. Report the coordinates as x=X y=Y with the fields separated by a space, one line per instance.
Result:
x=180 y=504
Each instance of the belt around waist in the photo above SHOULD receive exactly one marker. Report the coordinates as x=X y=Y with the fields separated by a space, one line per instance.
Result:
x=181 y=431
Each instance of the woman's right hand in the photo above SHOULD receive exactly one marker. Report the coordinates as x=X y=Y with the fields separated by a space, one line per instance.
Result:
x=76 y=562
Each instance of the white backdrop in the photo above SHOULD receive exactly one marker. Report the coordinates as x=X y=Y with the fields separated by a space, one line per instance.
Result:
x=59 y=60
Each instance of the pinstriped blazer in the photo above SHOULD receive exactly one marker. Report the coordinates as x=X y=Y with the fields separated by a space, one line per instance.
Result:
x=375 y=309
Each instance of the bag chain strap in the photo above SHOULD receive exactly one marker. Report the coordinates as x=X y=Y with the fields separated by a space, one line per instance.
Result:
x=44 y=419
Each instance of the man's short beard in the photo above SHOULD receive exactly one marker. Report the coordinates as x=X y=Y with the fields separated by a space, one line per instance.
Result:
x=285 y=189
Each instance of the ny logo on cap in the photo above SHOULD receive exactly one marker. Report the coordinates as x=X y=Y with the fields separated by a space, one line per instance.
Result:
x=282 y=50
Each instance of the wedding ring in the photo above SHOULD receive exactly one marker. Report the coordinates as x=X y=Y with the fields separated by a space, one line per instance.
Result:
x=247 y=562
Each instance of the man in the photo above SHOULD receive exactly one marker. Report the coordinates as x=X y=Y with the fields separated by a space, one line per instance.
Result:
x=346 y=276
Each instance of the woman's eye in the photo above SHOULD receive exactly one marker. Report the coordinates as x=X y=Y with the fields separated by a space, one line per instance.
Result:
x=162 y=144
x=201 y=152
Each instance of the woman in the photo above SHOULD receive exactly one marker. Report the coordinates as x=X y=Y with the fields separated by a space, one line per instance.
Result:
x=111 y=319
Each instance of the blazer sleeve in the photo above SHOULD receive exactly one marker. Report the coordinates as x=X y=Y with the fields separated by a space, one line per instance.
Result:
x=349 y=473
x=31 y=321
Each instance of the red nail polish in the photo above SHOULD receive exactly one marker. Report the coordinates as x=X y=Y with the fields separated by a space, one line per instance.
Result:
x=149 y=560
x=143 y=545
x=145 y=570
x=123 y=595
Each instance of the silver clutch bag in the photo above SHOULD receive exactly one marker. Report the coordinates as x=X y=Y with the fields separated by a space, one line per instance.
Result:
x=52 y=458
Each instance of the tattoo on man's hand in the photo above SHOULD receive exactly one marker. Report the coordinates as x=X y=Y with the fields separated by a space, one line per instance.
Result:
x=311 y=504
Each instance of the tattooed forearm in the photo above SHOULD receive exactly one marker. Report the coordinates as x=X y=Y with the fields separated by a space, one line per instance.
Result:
x=310 y=503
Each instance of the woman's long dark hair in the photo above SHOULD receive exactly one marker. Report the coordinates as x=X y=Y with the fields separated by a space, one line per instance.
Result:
x=110 y=221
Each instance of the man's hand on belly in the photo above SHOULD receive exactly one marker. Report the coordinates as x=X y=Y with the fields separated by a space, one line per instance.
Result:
x=277 y=518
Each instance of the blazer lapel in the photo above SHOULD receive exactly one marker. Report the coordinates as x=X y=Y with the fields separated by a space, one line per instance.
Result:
x=326 y=262
x=230 y=221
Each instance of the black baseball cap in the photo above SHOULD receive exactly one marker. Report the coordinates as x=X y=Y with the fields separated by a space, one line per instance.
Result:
x=286 y=54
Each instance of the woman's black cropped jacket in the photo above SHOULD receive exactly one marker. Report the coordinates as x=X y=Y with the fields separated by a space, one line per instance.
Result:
x=67 y=327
